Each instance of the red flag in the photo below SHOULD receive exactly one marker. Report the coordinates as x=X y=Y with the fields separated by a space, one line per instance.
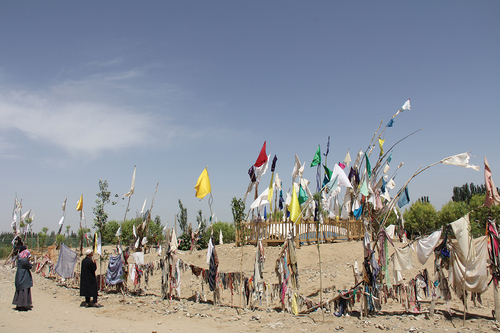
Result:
x=492 y=197
x=262 y=156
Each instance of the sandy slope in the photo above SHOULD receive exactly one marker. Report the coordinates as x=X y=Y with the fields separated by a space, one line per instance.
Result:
x=57 y=308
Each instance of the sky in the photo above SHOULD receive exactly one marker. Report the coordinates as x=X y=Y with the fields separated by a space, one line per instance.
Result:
x=90 y=89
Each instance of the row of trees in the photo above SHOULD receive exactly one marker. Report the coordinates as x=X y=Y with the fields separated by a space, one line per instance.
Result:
x=422 y=218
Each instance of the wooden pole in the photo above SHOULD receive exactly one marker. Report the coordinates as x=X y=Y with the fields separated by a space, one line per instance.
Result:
x=497 y=305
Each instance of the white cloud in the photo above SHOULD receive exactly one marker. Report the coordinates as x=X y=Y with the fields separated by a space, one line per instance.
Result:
x=85 y=116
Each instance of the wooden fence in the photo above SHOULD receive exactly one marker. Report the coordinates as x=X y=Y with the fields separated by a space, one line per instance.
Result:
x=275 y=232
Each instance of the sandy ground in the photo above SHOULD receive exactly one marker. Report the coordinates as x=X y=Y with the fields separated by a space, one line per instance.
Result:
x=57 y=308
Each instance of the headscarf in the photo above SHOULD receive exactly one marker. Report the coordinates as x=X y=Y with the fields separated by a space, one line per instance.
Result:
x=24 y=254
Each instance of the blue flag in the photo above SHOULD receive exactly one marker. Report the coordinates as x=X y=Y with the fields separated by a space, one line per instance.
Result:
x=391 y=122
x=404 y=198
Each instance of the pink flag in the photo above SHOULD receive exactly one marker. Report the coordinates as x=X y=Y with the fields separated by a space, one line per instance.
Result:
x=492 y=197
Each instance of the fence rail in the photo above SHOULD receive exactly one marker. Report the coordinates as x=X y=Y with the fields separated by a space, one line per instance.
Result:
x=275 y=232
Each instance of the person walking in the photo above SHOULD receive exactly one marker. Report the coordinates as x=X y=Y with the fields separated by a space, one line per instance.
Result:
x=88 y=282
x=24 y=281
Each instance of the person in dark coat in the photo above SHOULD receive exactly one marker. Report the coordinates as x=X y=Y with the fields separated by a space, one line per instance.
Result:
x=24 y=281
x=88 y=282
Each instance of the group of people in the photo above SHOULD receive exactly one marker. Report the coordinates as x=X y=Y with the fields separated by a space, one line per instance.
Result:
x=24 y=281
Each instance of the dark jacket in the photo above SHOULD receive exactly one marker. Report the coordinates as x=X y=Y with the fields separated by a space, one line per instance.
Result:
x=88 y=282
x=23 y=274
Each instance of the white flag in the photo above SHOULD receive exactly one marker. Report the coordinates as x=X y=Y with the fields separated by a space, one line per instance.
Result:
x=98 y=245
x=347 y=159
x=143 y=206
x=406 y=106
x=64 y=204
x=118 y=232
x=460 y=160
x=61 y=221
x=132 y=187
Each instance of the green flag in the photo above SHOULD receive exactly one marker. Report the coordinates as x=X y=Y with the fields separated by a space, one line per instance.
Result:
x=317 y=158
x=328 y=172
x=302 y=195
x=368 y=166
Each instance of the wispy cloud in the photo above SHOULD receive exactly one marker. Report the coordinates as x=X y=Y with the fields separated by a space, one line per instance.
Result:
x=90 y=115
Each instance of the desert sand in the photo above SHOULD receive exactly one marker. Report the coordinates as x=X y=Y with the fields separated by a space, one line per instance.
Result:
x=56 y=308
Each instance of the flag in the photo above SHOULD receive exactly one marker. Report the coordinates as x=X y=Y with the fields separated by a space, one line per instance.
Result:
x=390 y=123
x=364 y=189
x=143 y=206
x=302 y=195
x=343 y=180
x=97 y=243
x=389 y=159
x=405 y=107
x=327 y=147
x=332 y=184
x=368 y=166
x=381 y=145
x=64 y=204
x=61 y=221
x=261 y=199
x=79 y=204
x=404 y=198
x=342 y=165
x=270 y=191
x=262 y=156
x=317 y=157
x=119 y=231
x=460 y=160
x=251 y=173
x=492 y=197
x=347 y=158
x=297 y=168
x=132 y=186
x=328 y=172
x=265 y=213
x=294 y=207
x=273 y=165
x=203 y=184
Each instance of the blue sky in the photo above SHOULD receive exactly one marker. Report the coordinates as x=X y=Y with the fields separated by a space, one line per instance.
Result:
x=90 y=89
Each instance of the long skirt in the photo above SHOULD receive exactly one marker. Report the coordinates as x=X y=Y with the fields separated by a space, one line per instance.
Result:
x=22 y=298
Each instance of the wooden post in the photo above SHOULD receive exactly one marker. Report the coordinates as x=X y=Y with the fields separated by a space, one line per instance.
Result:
x=497 y=306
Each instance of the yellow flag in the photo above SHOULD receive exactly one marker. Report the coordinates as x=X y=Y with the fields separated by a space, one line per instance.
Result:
x=294 y=207
x=79 y=204
x=381 y=144
x=270 y=193
x=203 y=185
x=295 y=306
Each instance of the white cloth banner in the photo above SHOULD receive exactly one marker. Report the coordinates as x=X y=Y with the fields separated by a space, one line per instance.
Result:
x=461 y=230
x=475 y=273
x=138 y=258
x=426 y=246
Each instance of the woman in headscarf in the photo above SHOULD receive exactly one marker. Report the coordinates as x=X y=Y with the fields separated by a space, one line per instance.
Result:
x=24 y=281
x=88 y=282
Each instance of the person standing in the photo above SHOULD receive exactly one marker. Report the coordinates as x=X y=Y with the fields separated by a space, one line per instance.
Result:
x=24 y=281
x=88 y=282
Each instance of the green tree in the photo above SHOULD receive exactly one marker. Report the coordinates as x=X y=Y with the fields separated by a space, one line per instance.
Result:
x=155 y=231
x=202 y=223
x=59 y=239
x=480 y=214
x=420 y=218
x=108 y=236
x=101 y=217
x=183 y=217
x=42 y=236
x=238 y=211
x=450 y=212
